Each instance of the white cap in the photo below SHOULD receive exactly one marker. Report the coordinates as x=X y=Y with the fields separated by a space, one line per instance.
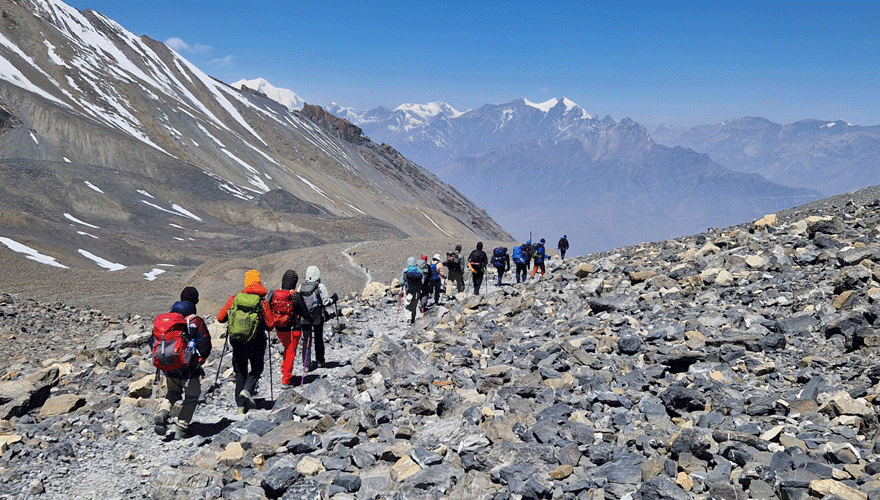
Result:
x=436 y=256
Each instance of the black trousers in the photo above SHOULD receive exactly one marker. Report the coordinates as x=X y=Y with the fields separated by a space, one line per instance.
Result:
x=521 y=269
x=248 y=360
x=478 y=280
x=314 y=335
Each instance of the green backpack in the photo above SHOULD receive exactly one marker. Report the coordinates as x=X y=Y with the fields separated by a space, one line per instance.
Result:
x=244 y=316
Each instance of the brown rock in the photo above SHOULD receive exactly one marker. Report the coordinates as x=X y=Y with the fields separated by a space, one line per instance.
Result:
x=60 y=405
x=823 y=487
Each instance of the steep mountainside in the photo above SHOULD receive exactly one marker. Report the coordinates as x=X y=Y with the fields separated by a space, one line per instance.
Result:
x=829 y=156
x=551 y=169
x=118 y=152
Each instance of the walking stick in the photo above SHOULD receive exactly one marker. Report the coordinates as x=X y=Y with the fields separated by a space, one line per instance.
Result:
x=306 y=356
x=215 y=385
x=271 y=373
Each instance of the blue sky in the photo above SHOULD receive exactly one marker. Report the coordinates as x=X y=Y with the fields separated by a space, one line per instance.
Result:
x=679 y=63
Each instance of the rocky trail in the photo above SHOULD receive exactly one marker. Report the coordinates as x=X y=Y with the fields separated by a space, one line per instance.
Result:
x=738 y=363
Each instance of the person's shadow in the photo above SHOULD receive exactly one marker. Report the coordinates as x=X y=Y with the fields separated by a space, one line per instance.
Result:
x=208 y=429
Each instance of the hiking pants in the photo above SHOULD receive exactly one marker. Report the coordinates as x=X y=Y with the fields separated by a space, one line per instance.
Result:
x=535 y=268
x=521 y=269
x=478 y=280
x=500 y=271
x=316 y=334
x=456 y=279
x=290 y=340
x=412 y=306
x=187 y=388
x=562 y=252
x=436 y=286
x=247 y=362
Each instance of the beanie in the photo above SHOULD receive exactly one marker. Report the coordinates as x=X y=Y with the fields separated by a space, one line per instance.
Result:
x=289 y=280
x=251 y=277
x=424 y=257
x=183 y=307
x=190 y=294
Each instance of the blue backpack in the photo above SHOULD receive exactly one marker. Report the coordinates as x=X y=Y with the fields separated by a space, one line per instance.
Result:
x=413 y=278
x=518 y=255
x=434 y=274
x=539 y=254
x=498 y=256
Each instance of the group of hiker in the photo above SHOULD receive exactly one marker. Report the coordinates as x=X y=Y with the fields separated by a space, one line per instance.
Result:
x=181 y=342
x=421 y=279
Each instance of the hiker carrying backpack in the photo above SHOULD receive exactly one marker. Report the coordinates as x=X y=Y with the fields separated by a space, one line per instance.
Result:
x=521 y=259
x=245 y=314
x=288 y=309
x=316 y=297
x=454 y=271
x=538 y=255
x=411 y=279
x=562 y=246
x=501 y=262
x=181 y=343
x=477 y=262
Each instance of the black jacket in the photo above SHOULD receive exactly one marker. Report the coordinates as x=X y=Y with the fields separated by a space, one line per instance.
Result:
x=478 y=256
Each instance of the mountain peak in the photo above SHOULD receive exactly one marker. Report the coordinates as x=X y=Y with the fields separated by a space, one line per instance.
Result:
x=283 y=96
x=564 y=102
x=429 y=110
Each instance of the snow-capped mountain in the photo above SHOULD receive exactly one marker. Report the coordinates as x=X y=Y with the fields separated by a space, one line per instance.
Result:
x=286 y=97
x=552 y=169
x=829 y=156
x=118 y=152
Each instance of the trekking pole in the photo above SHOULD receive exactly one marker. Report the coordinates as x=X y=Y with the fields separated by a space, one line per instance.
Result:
x=215 y=385
x=336 y=307
x=155 y=382
x=271 y=373
x=306 y=356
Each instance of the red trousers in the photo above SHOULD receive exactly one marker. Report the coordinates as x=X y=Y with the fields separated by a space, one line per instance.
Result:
x=290 y=340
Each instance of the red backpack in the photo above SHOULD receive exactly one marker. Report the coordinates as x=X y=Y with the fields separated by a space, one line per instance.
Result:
x=281 y=307
x=170 y=337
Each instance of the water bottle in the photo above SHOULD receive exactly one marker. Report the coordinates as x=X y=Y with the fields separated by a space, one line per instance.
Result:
x=190 y=351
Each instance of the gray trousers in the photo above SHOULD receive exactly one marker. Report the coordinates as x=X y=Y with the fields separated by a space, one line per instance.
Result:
x=186 y=389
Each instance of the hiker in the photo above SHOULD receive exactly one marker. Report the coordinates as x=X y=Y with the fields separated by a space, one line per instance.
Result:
x=528 y=253
x=425 y=291
x=411 y=282
x=501 y=262
x=562 y=246
x=454 y=272
x=519 y=260
x=245 y=313
x=477 y=262
x=539 y=255
x=288 y=309
x=316 y=297
x=184 y=382
x=436 y=277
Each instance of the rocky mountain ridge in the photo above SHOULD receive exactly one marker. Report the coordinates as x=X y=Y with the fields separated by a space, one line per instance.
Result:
x=735 y=363
x=117 y=153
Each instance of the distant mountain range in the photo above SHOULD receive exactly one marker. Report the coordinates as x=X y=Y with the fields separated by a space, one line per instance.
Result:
x=117 y=152
x=831 y=157
x=548 y=169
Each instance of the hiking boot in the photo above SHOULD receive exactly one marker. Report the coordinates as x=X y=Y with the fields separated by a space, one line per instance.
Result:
x=242 y=409
x=249 y=400
x=179 y=431
x=160 y=422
